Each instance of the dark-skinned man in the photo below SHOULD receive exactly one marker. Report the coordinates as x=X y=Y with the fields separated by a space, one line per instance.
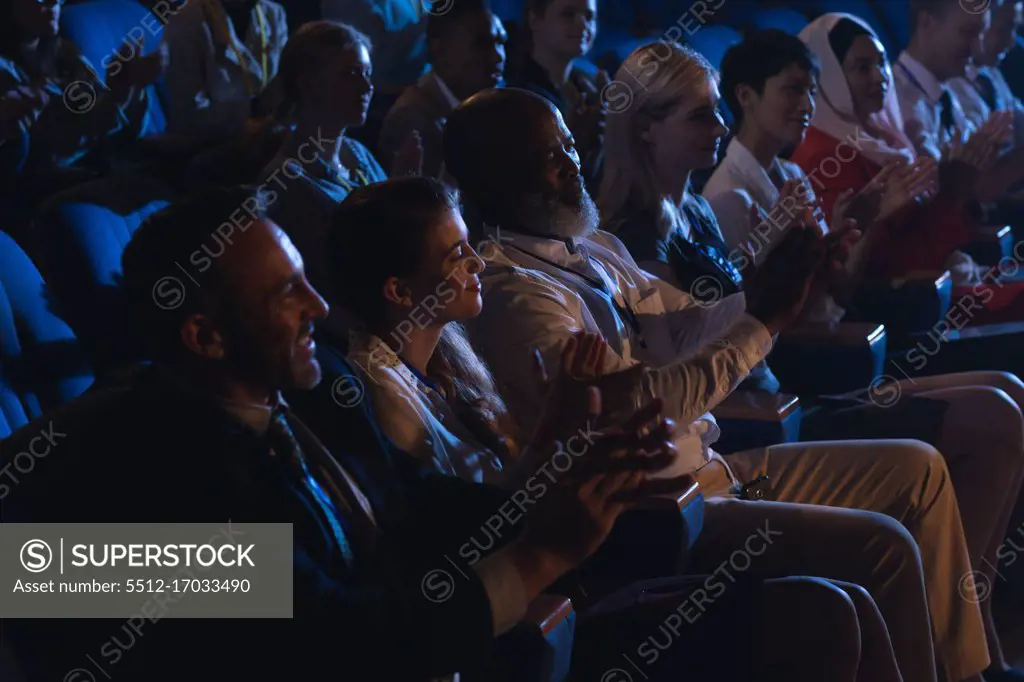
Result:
x=467 y=54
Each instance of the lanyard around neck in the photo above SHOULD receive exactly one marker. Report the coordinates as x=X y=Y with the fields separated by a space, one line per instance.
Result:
x=220 y=16
x=623 y=310
x=913 y=80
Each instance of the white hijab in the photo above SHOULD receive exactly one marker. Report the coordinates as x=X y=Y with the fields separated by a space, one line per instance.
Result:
x=834 y=113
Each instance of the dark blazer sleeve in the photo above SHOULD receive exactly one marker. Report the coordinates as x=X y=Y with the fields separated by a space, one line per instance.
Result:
x=428 y=620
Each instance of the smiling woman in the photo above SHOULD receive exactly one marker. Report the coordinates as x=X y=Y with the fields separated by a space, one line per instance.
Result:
x=403 y=265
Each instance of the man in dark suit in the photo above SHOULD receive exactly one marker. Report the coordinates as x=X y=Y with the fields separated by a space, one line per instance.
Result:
x=467 y=55
x=204 y=435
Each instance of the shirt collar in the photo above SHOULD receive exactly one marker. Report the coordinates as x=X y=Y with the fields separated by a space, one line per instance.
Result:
x=920 y=73
x=254 y=415
x=257 y=417
x=379 y=352
x=744 y=163
x=449 y=97
x=554 y=250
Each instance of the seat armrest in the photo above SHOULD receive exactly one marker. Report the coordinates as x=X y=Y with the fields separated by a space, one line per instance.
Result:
x=548 y=611
x=688 y=504
x=762 y=407
x=991 y=243
x=823 y=359
x=913 y=303
x=538 y=648
x=749 y=419
x=650 y=540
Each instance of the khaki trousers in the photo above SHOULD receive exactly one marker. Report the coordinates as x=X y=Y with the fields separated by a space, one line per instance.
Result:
x=876 y=513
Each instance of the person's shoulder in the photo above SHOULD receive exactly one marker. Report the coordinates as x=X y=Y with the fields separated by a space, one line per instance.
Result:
x=374 y=360
x=728 y=198
x=185 y=18
x=274 y=9
x=791 y=169
x=365 y=158
x=816 y=145
x=721 y=180
x=635 y=237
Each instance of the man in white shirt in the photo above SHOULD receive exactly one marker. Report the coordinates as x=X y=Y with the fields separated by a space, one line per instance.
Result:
x=983 y=89
x=550 y=274
x=223 y=56
x=467 y=54
x=945 y=36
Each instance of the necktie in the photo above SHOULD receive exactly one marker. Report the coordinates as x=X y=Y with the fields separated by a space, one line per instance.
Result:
x=287 y=447
x=987 y=89
x=946 y=113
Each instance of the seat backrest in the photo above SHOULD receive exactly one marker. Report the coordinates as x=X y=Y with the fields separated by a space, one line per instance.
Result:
x=780 y=18
x=106 y=31
x=896 y=16
x=41 y=363
x=714 y=41
x=863 y=10
x=83 y=233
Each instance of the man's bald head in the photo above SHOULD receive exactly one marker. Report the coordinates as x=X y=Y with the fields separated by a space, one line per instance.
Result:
x=515 y=160
x=493 y=133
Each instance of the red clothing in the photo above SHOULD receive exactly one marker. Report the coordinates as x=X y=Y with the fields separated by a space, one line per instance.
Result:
x=916 y=238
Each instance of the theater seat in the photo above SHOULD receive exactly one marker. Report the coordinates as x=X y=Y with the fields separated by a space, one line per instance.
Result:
x=908 y=305
x=100 y=29
x=779 y=18
x=896 y=16
x=713 y=42
x=41 y=362
x=749 y=419
x=83 y=233
x=825 y=359
x=539 y=648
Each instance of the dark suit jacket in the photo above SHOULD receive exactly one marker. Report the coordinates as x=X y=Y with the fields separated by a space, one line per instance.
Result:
x=147 y=452
x=421 y=107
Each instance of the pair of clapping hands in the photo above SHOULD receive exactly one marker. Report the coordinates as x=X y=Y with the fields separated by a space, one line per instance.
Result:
x=804 y=258
x=610 y=472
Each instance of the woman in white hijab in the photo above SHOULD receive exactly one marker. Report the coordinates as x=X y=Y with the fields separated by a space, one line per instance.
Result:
x=857 y=130
x=857 y=110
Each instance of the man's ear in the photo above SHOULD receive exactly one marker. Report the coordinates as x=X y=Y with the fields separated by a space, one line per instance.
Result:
x=746 y=96
x=201 y=336
x=531 y=20
x=397 y=291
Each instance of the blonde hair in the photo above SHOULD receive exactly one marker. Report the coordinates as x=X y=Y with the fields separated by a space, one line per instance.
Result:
x=659 y=76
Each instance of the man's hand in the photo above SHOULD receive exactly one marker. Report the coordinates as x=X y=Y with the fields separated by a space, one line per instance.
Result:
x=18 y=104
x=982 y=148
x=577 y=511
x=581 y=367
x=779 y=288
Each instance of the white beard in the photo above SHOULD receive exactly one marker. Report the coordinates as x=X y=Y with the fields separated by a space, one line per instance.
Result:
x=560 y=220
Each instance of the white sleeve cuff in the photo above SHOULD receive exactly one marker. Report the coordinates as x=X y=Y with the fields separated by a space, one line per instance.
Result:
x=505 y=590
